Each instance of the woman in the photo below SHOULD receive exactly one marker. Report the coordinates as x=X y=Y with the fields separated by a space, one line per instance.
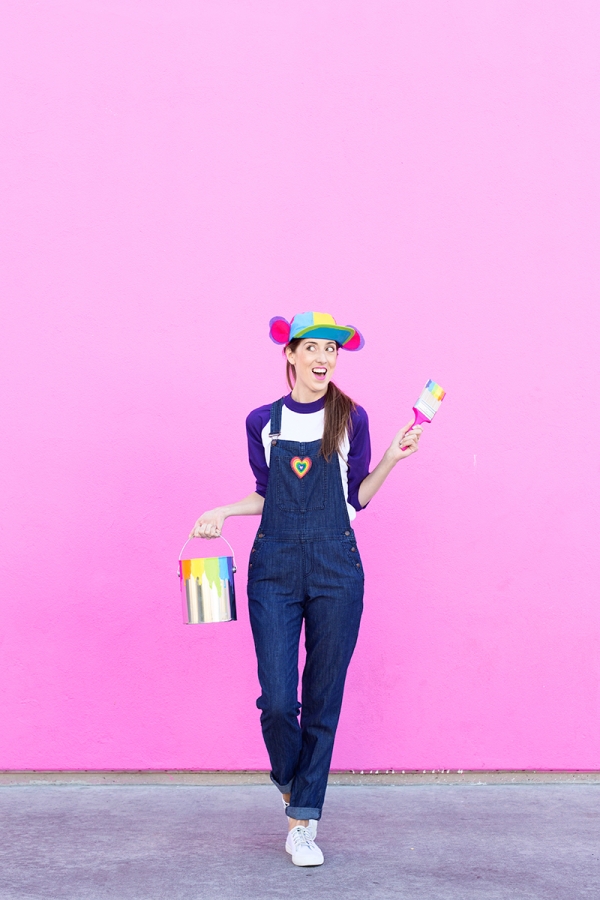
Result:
x=310 y=453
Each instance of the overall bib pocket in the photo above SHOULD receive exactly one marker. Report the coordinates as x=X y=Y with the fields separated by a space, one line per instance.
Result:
x=308 y=489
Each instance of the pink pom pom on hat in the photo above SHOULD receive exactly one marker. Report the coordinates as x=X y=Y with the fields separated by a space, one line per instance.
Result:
x=316 y=325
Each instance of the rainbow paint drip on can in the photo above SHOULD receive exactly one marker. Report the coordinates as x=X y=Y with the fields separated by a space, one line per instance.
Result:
x=207 y=588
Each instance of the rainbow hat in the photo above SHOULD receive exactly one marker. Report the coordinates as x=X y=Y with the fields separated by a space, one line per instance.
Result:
x=316 y=325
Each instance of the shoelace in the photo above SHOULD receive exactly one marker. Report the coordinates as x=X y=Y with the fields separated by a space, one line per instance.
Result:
x=301 y=837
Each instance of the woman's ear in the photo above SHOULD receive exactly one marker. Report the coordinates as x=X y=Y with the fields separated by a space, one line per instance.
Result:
x=289 y=354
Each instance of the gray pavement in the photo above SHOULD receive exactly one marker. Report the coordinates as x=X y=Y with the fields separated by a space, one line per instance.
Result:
x=418 y=842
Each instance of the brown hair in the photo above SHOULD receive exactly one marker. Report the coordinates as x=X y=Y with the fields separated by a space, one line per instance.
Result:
x=338 y=410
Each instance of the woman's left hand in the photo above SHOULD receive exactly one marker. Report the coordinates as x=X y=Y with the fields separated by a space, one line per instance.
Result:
x=405 y=443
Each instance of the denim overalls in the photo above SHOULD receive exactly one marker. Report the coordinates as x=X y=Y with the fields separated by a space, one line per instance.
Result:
x=304 y=564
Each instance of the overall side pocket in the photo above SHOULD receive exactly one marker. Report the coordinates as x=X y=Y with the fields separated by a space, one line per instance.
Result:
x=255 y=553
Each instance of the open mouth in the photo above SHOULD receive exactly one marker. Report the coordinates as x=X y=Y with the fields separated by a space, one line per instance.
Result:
x=320 y=372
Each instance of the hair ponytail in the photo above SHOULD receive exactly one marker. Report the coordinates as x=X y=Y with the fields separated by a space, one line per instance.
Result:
x=338 y=411
x=338 y=420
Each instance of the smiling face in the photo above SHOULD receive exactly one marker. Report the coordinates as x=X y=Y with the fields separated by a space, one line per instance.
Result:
x=314 y=361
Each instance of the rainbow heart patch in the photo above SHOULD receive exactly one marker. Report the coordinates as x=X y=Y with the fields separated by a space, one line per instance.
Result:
x=300 y=466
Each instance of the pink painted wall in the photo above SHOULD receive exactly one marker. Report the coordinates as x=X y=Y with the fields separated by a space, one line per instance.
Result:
x=175 y=174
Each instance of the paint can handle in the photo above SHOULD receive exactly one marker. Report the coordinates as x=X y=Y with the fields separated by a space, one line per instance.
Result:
x=223 y=538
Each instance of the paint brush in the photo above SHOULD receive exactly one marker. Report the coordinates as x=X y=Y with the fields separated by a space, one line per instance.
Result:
x=428 y=404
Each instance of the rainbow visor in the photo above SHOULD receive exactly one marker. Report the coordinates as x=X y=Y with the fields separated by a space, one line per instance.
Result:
x=316 y=325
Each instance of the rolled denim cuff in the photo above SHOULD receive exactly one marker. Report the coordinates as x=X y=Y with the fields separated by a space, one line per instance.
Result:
x=303 y=812
x=284 y=788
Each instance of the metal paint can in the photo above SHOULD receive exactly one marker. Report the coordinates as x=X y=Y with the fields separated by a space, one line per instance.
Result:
x=207 y=588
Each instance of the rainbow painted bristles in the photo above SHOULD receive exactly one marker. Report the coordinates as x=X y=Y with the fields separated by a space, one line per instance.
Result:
x=428 y=403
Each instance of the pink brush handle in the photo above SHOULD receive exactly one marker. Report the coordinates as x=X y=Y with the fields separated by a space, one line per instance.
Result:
x=419 y=419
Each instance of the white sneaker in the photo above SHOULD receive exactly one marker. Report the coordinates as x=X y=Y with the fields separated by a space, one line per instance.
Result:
x=312 y=823
x=302 y=847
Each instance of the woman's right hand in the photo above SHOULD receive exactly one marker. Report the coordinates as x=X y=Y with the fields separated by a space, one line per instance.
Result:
x=209 y=525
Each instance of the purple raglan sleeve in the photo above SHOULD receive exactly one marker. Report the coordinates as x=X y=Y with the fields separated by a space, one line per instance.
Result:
x=359 y=455
x=255 y=423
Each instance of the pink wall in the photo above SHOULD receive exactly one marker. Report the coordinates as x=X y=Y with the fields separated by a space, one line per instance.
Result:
x=173 y=176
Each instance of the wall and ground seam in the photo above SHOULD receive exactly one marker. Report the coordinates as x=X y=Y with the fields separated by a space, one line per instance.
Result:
x=173 y=175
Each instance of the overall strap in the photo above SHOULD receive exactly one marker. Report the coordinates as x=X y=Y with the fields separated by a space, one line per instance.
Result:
x=275 y=425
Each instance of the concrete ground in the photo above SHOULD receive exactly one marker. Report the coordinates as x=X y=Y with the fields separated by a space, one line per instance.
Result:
x=417 y=842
